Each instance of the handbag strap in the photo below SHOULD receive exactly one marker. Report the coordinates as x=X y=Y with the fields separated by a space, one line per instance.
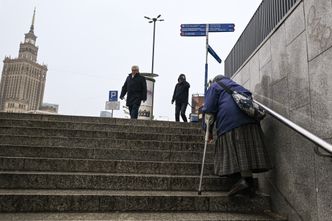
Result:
x=227 y=89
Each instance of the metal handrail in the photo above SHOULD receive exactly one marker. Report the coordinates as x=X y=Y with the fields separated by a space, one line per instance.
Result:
x=310 y=136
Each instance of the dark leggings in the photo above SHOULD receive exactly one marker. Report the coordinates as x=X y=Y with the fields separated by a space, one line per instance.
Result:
x=180 y=107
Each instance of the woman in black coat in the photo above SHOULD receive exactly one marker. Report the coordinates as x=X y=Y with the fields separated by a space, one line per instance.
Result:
x=180 y=96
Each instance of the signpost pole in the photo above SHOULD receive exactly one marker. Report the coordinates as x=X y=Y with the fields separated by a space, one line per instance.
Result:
x=196 y=30
x=206 y=58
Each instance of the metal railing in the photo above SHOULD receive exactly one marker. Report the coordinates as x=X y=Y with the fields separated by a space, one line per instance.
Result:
x=265 y=19
x=310 y=136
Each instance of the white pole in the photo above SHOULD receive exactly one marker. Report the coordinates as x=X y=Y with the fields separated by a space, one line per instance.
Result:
x=206 y=58
x=203 y=159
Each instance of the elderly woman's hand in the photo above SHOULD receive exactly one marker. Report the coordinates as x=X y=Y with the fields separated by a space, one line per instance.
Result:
x=210 y=139
x=209 y=119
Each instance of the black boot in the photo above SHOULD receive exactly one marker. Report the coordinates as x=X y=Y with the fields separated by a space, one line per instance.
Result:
x=238 y=187
x=251 y=190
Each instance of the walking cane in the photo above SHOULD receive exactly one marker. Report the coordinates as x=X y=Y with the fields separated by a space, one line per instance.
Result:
x=202 y=168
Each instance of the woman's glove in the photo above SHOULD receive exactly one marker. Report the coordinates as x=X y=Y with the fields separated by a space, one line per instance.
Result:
x=209 y=119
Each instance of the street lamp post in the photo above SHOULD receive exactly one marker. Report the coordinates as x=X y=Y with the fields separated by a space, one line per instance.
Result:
x=154 y=20
x=151 y=76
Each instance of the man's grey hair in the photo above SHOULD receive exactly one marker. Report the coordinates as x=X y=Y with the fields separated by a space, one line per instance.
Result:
x=134 y=67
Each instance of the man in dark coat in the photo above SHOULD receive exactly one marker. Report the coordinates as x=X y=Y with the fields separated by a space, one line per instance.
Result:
x=135 y=86
x=180 y=96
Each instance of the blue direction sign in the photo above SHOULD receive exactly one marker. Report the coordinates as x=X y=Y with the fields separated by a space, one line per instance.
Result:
x=221 y=27
x=193 y=33
x=191 y=28
x=214 y=54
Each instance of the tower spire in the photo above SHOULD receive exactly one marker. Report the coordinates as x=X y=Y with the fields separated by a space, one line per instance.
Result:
x=33 y=20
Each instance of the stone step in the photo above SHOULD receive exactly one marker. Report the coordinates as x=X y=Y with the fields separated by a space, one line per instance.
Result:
x=109 y=181
x=98 y=127
x=85 y=119
x=136 y=168
x=30 y=131
x=102 y=166
x=103 y=153
x=145 y=216
x=92 y=142
x=128 y=201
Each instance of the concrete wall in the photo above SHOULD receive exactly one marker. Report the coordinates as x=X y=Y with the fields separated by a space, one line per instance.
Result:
x=292 y=73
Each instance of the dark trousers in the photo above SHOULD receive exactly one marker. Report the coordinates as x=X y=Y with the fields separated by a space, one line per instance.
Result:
x=133 y=110
x=180 y=107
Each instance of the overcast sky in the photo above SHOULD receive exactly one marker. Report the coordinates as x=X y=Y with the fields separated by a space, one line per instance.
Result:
x=89 y=46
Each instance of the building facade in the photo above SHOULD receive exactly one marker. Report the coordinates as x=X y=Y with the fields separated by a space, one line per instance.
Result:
x=23 y=79
x=48 y=108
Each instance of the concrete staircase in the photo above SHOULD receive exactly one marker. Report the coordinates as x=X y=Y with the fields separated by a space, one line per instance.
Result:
x=86 y=168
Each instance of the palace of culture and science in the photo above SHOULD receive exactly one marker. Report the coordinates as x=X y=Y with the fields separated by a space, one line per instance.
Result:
x=23 y=79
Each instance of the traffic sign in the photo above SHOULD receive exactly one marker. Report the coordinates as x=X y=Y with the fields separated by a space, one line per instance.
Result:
x=227 y=27
x=193 y=29
x=193 y=33
x=223 y=25
x=221 y=29
x=193 y=26
x=112 y=105
x=214 y=54
x=113 y=96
